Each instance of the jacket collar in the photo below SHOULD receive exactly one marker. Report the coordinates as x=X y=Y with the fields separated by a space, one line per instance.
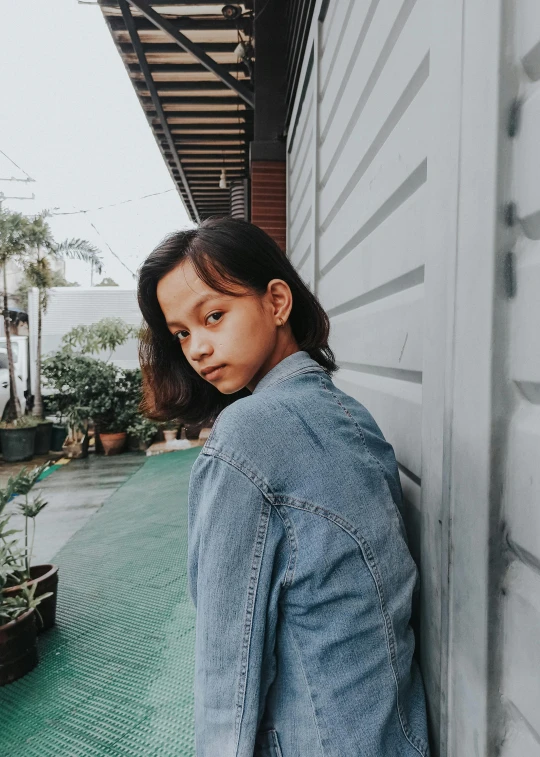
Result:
x=298 y=362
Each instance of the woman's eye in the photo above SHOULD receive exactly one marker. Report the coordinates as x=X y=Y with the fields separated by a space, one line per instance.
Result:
x=178 y=334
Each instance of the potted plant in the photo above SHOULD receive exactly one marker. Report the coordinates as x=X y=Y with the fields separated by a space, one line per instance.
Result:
x=43 y=440
x=115 y=409
x=72 y=380
x=141 y=432
x=111 y=408
x=18 y=632
x=21 y=570
x=59 y=433
x=77 y=440
x=170 y=430
x=18 y=438
x=87 y=387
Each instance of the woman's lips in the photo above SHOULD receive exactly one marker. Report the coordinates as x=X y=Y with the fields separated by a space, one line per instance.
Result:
x=214 y=374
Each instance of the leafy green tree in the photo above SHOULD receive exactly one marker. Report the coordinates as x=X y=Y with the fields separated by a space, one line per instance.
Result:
x=104 y=336
x=40 y=249
x=57 y=280
x=107 y=282
x=14 y=232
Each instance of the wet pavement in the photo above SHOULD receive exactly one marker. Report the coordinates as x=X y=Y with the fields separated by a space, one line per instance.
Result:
x=74 y=493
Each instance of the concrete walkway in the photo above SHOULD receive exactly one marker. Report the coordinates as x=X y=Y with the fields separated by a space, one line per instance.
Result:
x=74 y=493
x=115 y=675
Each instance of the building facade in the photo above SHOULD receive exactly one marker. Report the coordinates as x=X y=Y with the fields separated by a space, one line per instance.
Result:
x=396 y=143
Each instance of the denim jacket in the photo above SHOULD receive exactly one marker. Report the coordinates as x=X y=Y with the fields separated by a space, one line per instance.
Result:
x=302 y=579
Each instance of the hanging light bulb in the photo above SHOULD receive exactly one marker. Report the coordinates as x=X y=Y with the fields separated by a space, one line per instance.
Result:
x=223 y=177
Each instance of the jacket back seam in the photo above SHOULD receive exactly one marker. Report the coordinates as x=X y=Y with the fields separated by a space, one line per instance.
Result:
x=266 y=492
x=369 y=452
x=258 y=550
x=292 y=541
x=256 y=562
x=295 y=644
x=418 y=744
x=365 y=547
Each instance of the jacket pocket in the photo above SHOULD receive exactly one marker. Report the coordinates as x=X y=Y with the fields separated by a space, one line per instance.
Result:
x=267 y=744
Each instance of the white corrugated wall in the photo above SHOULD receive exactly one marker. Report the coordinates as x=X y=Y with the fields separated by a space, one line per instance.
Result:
x=357 y=190
x=520 y=636
x=78 y=306
x=400 y=165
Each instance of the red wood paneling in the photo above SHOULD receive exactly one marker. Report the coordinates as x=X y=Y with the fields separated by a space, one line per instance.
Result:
x=268 y=198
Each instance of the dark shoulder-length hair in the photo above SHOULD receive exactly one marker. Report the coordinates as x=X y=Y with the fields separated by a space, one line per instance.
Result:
x=223 y=251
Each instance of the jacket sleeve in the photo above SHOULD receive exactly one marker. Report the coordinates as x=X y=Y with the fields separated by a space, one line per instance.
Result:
x=233 y=538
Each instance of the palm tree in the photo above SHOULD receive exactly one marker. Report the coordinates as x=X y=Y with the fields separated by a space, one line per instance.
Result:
x=40 y=249
x=13 y=241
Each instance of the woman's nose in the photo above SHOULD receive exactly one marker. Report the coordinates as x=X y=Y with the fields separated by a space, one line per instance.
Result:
x=199 y=347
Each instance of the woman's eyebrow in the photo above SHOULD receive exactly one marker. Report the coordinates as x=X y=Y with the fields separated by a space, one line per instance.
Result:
x=196 y=306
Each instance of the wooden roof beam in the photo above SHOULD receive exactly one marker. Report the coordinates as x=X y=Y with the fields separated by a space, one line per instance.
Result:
x=242 y=114
x=163 y=48
x=191 y=47
x=183 y=22
x=136 y=42
x=190 y=100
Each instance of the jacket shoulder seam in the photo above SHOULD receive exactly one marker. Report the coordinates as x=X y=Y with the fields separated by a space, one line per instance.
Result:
x=248 y=472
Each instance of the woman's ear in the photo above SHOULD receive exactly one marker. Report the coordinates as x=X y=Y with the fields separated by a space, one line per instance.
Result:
x=280 y=298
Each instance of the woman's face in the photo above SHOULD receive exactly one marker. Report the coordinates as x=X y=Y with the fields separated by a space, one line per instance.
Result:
x=242 y=334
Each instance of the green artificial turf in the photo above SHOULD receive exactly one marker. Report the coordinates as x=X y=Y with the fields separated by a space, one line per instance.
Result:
x=115 y=675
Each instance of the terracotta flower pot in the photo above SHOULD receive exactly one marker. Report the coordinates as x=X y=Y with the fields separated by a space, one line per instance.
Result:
x=46 y=577
x=18 y=647
x=113 y=444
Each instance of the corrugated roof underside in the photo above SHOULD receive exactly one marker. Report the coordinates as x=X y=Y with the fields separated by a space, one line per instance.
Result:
x=210 y=124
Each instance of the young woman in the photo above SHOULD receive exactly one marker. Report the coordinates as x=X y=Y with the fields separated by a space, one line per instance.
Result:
x=298 y=562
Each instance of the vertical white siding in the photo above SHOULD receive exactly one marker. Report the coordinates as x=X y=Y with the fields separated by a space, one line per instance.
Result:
x=357 y=193
x=521 y=504
x=368 y=219
x=300 y=190
x=400 y=163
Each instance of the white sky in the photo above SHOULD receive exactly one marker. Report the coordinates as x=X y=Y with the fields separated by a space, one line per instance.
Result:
x=71 y=119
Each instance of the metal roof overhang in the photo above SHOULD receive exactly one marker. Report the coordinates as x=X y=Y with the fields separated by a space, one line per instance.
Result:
x=195 y=92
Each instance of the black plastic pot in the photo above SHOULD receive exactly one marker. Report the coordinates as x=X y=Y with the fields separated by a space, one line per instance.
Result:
x=58 y=436
x=18 y=443
x=42 y=443
x=18 y=647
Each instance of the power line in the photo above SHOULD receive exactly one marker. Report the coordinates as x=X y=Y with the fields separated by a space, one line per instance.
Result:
x=16 y=166
x=112 y=251
x=112 y=205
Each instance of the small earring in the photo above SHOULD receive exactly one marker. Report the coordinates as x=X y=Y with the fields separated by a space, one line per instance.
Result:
x=281 y=321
